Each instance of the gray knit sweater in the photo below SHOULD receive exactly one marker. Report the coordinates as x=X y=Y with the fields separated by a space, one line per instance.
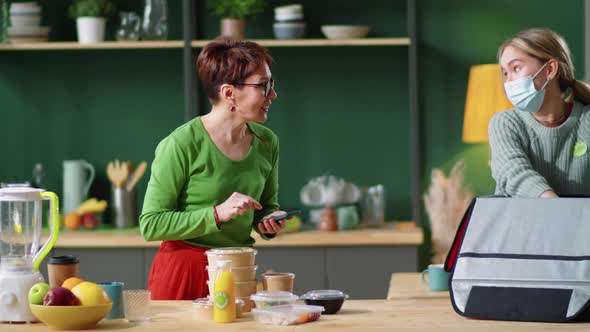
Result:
x=529 y=158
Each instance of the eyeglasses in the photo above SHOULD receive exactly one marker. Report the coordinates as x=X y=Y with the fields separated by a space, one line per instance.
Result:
x=267 y=86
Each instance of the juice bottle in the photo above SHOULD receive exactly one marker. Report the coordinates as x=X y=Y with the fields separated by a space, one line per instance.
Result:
x=224 y=297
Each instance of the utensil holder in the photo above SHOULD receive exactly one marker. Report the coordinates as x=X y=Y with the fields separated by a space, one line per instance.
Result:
x=123 y=211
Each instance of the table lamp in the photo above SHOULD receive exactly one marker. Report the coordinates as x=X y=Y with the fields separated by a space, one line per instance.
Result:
x=485 y=97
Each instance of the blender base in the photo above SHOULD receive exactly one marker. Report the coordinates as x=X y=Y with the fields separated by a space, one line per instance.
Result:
x=14 y=296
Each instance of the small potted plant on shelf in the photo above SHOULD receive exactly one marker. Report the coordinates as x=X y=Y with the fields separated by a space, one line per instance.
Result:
x=233 y=14
x=90 y=16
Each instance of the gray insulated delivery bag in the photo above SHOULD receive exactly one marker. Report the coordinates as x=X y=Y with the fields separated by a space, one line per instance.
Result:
x=522 y=259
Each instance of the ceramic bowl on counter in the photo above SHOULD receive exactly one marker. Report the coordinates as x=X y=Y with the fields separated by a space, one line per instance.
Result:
x=331 y=300
x=344 y=31
x=264 y=299
x=239 y=256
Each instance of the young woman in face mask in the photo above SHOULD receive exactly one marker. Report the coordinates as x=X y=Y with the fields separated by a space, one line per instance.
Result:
x=540 y=148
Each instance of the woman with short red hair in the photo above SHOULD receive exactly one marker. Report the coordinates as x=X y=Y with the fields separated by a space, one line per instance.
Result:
x=215 y=178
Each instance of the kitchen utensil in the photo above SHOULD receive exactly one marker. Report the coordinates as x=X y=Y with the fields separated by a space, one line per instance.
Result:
x=123 y=203
x=78 y=176
x=117 y=173
x=21 y=251
x=137 y=174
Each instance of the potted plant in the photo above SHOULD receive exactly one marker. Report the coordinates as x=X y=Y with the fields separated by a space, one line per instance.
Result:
x=90 y=19
x=233 y=14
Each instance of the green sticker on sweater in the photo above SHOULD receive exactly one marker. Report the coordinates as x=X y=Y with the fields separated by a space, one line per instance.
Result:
x=580 y=149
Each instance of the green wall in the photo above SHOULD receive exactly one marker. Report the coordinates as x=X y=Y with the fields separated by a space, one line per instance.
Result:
x=340 y=111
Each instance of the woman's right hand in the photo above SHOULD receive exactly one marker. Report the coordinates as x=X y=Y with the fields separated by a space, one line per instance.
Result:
x=236 y=204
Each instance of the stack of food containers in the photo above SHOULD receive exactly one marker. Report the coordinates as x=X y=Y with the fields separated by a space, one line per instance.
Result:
x=243 y=270
x=25 y=20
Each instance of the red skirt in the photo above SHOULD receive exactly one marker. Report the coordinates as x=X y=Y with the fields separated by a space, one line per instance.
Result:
x=178 y=272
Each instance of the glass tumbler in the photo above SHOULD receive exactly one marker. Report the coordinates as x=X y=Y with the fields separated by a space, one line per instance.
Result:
x=136 y=303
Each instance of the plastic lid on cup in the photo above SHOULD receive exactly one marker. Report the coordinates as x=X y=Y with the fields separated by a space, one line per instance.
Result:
x=324 y=294
x=271 y=275
x=271 y=296
x=230 y=251
x=62 y=260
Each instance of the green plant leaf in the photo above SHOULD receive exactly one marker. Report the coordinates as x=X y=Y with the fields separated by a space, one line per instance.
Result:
x=90 y=8
x=236 y=8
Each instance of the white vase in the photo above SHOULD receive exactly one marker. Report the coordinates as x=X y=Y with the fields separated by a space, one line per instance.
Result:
x=90 y=29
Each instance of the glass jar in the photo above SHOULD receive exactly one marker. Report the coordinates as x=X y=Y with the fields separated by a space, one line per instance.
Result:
x=129 y=27
x=155 y=20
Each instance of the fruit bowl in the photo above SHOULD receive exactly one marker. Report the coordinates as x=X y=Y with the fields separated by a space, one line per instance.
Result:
x=70 y=317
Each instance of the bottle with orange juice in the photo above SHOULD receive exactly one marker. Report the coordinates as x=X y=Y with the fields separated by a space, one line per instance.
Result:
x=224 y=295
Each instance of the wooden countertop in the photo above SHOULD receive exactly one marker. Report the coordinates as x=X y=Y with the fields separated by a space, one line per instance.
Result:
x=355 y=316
x=397 y=235
x=408 y=285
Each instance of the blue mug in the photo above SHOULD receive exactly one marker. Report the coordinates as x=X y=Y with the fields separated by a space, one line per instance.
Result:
x=114 y=290
x=438 y=278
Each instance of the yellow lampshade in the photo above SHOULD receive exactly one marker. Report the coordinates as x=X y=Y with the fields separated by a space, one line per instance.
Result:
x=485 y=97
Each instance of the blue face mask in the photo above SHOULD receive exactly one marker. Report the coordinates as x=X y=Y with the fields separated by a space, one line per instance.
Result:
x=523 y=95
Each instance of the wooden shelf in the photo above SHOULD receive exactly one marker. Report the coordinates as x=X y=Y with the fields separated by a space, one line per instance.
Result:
x=321 y=42
x=114 y=45
x=109 y=45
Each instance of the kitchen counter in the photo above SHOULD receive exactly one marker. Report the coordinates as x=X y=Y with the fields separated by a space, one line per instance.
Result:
x=395 y=235
x=358 y=262
x=371 y=315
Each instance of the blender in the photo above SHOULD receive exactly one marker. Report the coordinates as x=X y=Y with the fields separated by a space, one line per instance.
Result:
x=21 y=214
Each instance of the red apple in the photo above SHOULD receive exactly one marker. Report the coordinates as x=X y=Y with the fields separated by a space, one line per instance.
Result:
x=60 y=296
x=90 y=220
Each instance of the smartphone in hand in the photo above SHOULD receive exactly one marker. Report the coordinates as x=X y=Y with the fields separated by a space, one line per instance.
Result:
x=286 y=215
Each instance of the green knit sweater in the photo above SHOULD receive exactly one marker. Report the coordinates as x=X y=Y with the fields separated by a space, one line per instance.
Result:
x=190 y=175
x=529 y=158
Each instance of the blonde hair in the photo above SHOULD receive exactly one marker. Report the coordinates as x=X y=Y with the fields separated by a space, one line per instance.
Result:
x=544 y=45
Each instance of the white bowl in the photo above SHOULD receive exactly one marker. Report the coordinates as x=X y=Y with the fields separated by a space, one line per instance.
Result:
x=344 y=31
x=289 y=30
x=25 y=8
x=289 y=9
x=25 y=20
x=288 y=17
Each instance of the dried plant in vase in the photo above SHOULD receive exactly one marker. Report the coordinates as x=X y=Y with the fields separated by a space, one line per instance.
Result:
x=446 y=201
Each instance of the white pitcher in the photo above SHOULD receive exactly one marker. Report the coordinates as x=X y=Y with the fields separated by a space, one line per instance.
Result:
x=77 y=179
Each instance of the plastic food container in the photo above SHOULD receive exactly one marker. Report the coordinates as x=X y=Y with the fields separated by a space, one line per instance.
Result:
x=204 y=308
x=278 y=281
x=289 y=314
x=239 y=256
x=331 y=300
x=244 y=273
x=265 y=299
x=243 y=288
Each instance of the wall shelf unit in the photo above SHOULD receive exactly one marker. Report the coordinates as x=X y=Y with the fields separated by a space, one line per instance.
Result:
x=109 y=45
x=112 y=45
